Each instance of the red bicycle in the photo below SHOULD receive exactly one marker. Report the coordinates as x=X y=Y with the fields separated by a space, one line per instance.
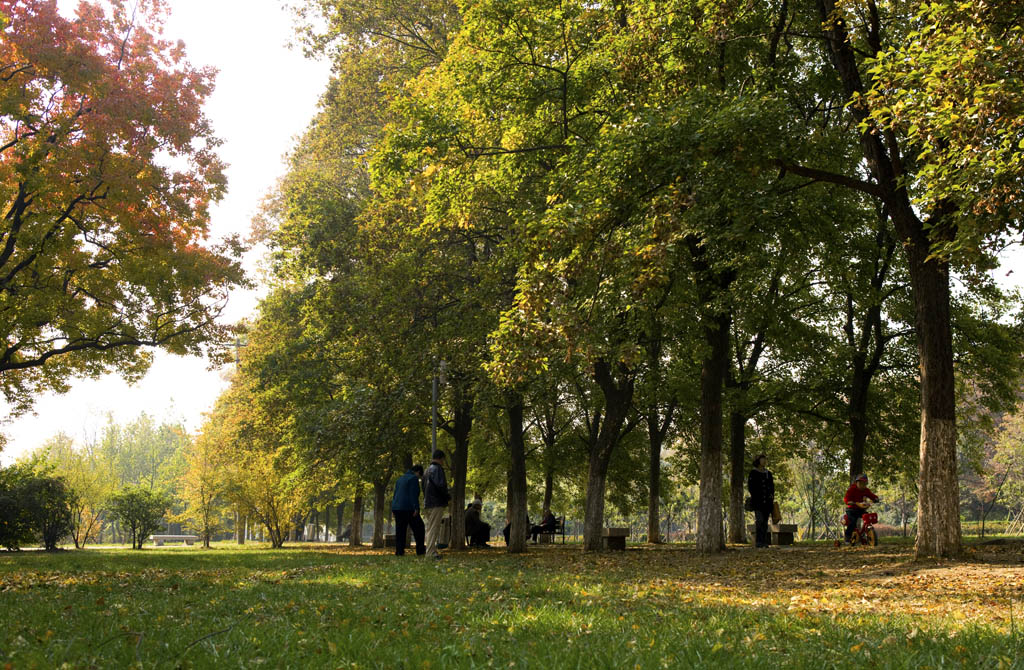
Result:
x=864 y=533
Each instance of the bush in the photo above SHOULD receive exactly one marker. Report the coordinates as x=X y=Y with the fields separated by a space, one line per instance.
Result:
x=140 y=511
x=15 y=522
x=33 y=506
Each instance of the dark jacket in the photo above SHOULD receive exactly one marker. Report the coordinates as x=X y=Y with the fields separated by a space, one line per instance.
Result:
x=472 y=520
x=407 y=493
x=435 y=492
x=761 y=487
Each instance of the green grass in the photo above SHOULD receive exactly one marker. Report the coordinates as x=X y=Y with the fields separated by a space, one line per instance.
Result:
x=805 y=607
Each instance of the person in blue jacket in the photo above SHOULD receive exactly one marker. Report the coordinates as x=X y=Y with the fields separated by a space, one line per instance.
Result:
x=405 y=506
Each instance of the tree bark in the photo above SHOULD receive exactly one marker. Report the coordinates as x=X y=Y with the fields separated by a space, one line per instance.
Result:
x=618 y=396
x=341 y=522
x=737 y=477
x=709 y=523
x=459 y=431
x=938 y=515
x=857 y=421
x=549 y=486
x=517 y=474
x=355 y=538
x=379 y=494
x=657 y=429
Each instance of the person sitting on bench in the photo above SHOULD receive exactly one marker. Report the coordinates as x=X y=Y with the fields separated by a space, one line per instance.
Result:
x=477 y=530
x=547 y=525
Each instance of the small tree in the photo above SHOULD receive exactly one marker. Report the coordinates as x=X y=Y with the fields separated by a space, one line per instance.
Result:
x=203 y=487
x=140 y=511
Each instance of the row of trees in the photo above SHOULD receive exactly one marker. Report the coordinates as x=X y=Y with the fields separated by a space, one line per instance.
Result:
x=125 y=478
x=38 y=506
x=620 y=228
x=688 y=227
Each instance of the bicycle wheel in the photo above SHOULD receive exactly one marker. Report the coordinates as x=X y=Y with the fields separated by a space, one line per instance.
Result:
x=855 y=537
x=870 y=538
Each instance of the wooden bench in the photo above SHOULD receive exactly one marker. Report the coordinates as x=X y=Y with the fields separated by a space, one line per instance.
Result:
x=548 y=536
x=159 y=540
x=615 y=538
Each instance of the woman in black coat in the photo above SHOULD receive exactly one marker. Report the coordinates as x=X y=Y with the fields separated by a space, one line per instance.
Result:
x=761 y=487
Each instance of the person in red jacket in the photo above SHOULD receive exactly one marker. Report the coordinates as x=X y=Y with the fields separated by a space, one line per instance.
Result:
x=855 y=503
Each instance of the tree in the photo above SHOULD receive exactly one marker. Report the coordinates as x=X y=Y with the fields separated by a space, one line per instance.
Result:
x=83 y=474
x=851 y=38
x=103 y=243
x=140 y=511
x=202 y=486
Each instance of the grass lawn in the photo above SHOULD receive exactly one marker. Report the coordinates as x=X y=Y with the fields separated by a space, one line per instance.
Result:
x=665 y=607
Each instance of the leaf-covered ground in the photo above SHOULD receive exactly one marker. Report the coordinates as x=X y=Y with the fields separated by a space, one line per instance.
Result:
x=663 y=607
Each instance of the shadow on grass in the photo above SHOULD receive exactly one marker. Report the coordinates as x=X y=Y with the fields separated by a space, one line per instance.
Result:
x=650 y=607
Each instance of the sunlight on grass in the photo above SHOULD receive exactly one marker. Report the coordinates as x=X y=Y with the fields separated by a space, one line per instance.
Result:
x=663 y=608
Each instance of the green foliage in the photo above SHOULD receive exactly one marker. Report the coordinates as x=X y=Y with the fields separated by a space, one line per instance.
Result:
x=34 y=506
x=15 y=520
x=139 y=510
x=953 y=88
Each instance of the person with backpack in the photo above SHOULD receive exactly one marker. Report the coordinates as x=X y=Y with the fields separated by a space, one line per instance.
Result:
x=435 y=500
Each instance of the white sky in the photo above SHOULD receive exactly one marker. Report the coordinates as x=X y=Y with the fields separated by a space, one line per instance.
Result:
x=264 y=98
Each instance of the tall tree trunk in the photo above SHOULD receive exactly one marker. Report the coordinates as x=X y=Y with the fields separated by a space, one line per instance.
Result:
x=549 y=486
x=379 y=492
x=355 y=538
x=327 y=523
x=938 y=504
x=656 y=431
x=459 y=431
x=938 y=515
x=341 y=522
x=737 y=476
x=517 y=474
x=618 y=396
x=857 y=421
x=709 y=524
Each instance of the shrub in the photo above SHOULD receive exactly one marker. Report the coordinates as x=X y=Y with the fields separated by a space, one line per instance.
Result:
x=15 y=522
x=33 y=506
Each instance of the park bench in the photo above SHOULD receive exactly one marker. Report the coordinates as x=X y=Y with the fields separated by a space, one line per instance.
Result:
x=780 y=533
x=615 y=538
x=159 y=540
x=548 y=536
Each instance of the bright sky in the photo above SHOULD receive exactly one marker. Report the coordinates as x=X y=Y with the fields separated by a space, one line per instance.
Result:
x=265 y=96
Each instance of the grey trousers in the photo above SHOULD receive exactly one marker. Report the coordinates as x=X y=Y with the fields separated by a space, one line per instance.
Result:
x=433 y=519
